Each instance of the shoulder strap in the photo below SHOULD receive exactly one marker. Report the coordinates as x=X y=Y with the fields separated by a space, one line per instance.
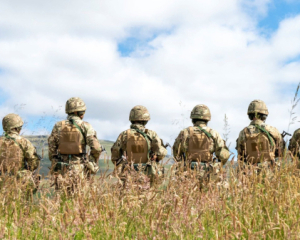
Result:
x=79 y=128
x=147 y=140
x=8 y=137
x=191 y=129
x=266 y=132
x=206 y=132
x=63 y=123
x=128 y=133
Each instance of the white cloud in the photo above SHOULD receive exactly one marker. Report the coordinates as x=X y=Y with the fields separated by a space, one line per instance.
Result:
x=206 y=52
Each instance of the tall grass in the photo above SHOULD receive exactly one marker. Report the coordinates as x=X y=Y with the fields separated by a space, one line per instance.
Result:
x=263 y=206
x=294 y=102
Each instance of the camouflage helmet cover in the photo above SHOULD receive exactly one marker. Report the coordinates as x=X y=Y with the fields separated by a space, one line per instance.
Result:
x=139 y=113
x=11 y=121
x=75 y=104
x=258 y=106
x=201 y=111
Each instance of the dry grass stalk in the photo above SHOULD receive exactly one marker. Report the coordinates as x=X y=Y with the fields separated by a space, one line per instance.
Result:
x=253 y=206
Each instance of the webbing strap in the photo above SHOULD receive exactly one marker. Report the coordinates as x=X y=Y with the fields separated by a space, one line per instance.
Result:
x=79 y=128
x=266 y=132
x=8 y=137
x=206 y=132
x=147 y=140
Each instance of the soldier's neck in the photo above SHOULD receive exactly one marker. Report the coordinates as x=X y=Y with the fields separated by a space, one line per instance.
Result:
x=257 y=121
x=12 y=133
x=200 y=123
x=73 y=116
x=137 y=126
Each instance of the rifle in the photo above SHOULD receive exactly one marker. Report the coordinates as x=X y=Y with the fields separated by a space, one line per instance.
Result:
x=165 y=145
x=284 y=133
x=59 y=164
x=122 y=160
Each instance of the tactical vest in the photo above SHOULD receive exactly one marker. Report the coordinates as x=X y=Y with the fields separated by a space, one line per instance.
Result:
x=11 y=155
x=137 y=147
x=198 y=149
x=70 y=139
x=258 y=147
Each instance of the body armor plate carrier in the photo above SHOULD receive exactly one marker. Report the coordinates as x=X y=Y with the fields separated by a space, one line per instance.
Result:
x=137 y=147
x=11 y=155
x=198 y=149
x=259 y=147
x=70 y=139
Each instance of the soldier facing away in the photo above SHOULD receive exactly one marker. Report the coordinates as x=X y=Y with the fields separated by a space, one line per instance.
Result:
x=294 y=145
x=18 y=156
x=196 y=145
x=259 y=143
x=67 y=146
x=139 y=147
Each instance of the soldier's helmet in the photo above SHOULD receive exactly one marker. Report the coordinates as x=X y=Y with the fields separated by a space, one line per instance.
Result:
x=11 y=121
x=202 y=112
x=258 y=106
x=139 y=113
x=75 y=104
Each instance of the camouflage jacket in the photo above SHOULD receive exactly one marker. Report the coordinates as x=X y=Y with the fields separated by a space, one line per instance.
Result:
x=217 y=144
x=120 y=145
x=89 y=134
x=295 y=143
x=19 y=151
x=275 y=134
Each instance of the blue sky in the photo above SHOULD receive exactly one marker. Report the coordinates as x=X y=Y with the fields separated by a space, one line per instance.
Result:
x=156 y=53
x=279 y=10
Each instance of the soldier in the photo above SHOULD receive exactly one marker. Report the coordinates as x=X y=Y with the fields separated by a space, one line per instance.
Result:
x=67 y=147
x=294 y=145
x=259 y=143
x=139 y=147
x=18 y=156
x=195 y=146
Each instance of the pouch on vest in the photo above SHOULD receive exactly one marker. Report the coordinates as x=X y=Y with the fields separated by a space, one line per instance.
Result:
x=198 y=149
x=258 y=148
x=70 y=139
x=11 y=156
x=137 y=147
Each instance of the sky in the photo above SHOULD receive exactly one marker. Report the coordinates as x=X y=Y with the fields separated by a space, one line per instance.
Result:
x=168 y=55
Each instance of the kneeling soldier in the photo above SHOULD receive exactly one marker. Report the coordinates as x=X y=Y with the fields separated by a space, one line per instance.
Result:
x=67 y=147
x=138 y=148
x=194 y=147
x=259 y=144
x=18 y=156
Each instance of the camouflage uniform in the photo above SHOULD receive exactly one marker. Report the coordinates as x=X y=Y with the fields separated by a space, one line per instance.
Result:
x=17 y=155
x=156 y=149
x=294 y=145
x=267 y=151
x=76 y=166
x=203 y=160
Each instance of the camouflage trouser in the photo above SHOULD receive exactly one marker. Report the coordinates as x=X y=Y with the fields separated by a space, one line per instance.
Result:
x=267 y=168
x=69 y=176
x=204 y=172
x=27 y=182
x=141 y=175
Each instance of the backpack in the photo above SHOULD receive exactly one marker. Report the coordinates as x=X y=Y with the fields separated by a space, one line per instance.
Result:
x=138 y=146
x=198 y=145
x=70 y=139
x=259 y=147
x=11 y=155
